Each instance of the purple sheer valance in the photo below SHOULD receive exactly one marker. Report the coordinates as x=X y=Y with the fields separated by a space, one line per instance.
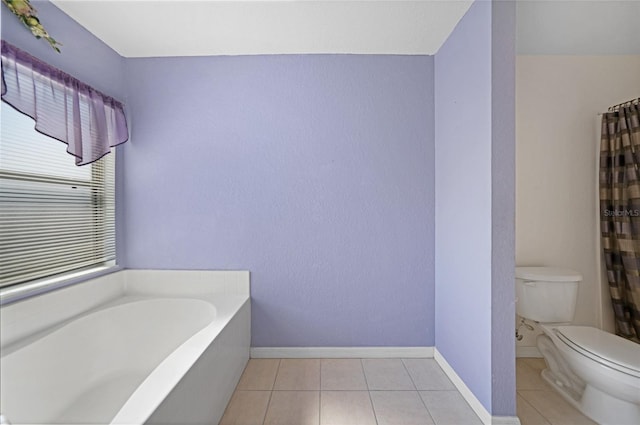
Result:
x=89 y=122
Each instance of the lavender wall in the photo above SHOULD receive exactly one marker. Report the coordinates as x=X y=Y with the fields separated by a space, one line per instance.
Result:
x=313 y=172
x=463 y=200
x=475 y=205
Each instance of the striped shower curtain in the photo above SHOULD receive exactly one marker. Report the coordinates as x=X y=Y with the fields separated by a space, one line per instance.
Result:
x=620 y=213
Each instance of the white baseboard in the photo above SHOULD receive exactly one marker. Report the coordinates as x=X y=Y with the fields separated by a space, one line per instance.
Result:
x=505 y=420
x=340 y=352
x=466 y=393
x=526 y=351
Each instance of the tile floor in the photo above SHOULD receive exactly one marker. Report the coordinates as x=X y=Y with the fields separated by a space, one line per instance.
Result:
x=377 y=392
x=346 y=392
x=537 y=402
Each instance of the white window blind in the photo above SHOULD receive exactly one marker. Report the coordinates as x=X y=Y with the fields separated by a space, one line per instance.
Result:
x=55 y=217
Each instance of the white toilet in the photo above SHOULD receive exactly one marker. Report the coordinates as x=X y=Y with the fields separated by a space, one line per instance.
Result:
x=597 y=372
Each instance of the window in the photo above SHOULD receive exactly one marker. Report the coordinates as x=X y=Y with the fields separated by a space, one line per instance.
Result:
x=55 y=217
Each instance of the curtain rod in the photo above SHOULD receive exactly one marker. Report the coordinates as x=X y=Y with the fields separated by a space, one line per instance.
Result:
x=627 y=103
x=615 y=108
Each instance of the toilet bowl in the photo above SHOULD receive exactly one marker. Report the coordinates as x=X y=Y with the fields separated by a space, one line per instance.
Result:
x=597 y=372
x=608 y=371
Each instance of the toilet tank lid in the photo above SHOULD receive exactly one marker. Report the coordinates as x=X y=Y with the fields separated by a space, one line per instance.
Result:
x=548 y=274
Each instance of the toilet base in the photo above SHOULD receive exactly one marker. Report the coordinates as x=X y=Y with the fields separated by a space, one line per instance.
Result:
x=558 y=372
x=597 y=405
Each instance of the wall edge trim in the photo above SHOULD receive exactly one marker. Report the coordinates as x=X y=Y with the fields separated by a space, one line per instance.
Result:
x=469 y=397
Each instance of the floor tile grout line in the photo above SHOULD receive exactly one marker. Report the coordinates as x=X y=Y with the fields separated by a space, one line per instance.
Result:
x=320 y=393
x=366 y=381
x=320 y=377
x=373 y=408
x=273 y=384
x=433 y=420
x=418 y=391
x=409 y=373
x=320 y=407
x=425 y=406
x=275 y=378
x=264 y=419
x=531 y=404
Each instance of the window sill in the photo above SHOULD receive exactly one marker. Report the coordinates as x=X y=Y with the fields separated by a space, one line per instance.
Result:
x=42 y=286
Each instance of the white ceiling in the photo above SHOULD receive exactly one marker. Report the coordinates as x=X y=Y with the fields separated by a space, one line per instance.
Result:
x=149 y=28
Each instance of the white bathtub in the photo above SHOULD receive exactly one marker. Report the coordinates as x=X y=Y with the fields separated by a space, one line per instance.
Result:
x=168 y=348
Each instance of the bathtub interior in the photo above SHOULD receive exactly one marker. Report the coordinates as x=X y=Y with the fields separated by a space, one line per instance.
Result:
x=85 y=368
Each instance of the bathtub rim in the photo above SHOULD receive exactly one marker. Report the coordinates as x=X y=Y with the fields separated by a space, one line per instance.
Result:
x=44 y=314
x=43 y=311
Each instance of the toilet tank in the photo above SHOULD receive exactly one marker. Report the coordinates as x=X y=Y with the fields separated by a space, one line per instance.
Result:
x=546 y=294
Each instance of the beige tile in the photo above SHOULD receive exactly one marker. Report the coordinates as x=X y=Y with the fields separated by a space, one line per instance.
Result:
x=342 y=374
x=528 y=374
x=387 y=374
x=293 y=408
x=528 y=414
x=298 y=374
x=260 y=374
x=554 y=408
x=536 y=363
x=346 y=408
x=400 y=408
x=427 y=375
x=449 y=408
x=246 y=408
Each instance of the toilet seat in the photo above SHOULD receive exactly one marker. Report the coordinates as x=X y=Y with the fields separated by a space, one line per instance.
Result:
x=602 y=347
